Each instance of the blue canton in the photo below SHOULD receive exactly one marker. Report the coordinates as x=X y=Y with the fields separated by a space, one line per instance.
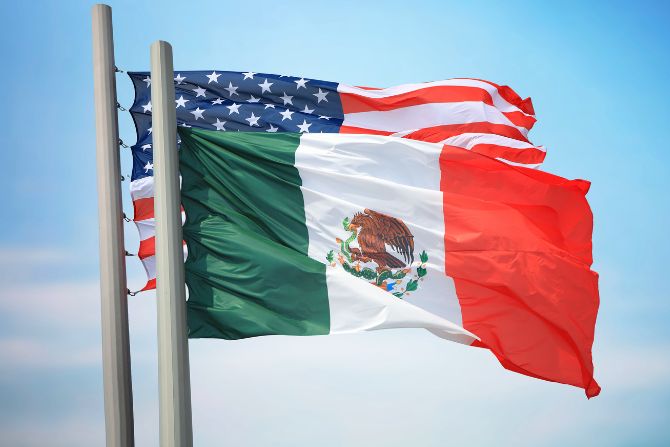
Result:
x=236 y=101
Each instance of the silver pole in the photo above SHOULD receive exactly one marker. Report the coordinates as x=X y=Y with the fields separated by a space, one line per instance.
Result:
x=114 y=301
x=173 y=367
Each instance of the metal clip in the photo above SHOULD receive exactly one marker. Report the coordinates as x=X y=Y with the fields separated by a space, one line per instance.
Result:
x=118 y=106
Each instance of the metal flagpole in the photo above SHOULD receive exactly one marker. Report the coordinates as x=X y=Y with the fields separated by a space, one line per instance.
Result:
x=173 y=366
x=114 y=300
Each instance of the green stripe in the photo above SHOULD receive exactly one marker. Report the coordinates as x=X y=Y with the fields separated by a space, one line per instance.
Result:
x=247 y=271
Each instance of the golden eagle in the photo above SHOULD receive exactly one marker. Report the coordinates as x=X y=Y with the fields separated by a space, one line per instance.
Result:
x=376 y=231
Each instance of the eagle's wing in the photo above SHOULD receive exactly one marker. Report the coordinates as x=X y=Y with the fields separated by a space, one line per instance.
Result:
x=395 y=233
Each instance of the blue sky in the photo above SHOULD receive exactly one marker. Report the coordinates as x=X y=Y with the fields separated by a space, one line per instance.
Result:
x=597 y=74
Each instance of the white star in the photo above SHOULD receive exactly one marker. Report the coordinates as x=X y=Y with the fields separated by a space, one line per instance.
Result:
x=286 y=115
x=234 y=108
x=249 y=75
x=321 y=96
x=306 y=110
x=324 y=117
x=218 y=101
x=287 y=99
x=301 y=83
x=145 y=147
x=151 y=129
x=147 y=107
x=197 y=113
x=252 y=98
x=232 y=90
x=304 y=127
x=219 y=124
x=265 y=86
x=148 y=167
x=253 y=120
x=272 y=129
x=184 y=124
x=179 y=79
x=214 y=77
x=181 y=102
x=148 y=81
x=200 y=92
x=269 y=106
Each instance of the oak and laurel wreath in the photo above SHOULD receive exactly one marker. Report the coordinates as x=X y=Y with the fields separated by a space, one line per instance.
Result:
x=371 y=274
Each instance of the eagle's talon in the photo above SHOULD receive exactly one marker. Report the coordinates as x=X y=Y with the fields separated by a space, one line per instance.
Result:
x=377 y=230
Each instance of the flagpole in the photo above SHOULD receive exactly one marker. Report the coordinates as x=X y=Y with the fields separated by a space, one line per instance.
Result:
x=118 y=394
x=173 y=365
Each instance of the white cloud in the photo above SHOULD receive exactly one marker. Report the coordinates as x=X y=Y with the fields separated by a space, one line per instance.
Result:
x=74 y=430
x=19 y=264
x=629 y=368
x=68 y=305
x=20 y=354
x=21 y=256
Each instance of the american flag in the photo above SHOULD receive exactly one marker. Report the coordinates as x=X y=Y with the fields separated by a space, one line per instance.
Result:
x=469 y=113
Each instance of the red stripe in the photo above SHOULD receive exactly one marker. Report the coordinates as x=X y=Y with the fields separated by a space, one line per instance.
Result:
x=521 y=119
x=441 y=133
x=150 y=285
x=351 y=129
x=144 y=208
x=147 y=248
x=353 y=103
x=505 y=91
x=518 y=246
x=529 y=155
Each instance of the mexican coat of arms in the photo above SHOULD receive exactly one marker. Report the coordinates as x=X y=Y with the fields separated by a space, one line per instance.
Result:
x=373 y=232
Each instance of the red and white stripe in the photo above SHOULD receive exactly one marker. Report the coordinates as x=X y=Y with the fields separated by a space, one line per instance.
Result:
x=469 y=113
x=142 y=193
x=473 y=114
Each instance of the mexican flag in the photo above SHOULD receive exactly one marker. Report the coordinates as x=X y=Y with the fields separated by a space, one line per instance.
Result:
x=310 y=234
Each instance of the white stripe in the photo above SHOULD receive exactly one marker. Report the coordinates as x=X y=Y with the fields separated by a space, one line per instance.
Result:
x=147 y=227
x=149 y=264
x=142 y=188
x=344 y=174
x=396 y=160
x=150 y=267
x=357 y=306
x=428 y=115
x=498 y=101
x=468 y=140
